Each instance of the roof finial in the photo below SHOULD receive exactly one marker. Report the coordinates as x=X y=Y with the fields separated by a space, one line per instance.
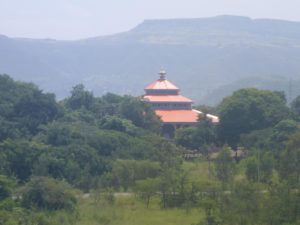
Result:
x=162 y=74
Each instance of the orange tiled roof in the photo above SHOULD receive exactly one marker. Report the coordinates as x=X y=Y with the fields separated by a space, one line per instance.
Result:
x=161 y=84
x=167 y=98
x=178 y=116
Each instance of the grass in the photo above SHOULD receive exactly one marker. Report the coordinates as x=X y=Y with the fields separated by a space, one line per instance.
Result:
x=127 y=210
x=200 y=172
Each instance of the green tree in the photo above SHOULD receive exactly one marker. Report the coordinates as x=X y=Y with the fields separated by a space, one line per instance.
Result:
x=196 y=137
x=47 y=193
x=80 y=165
x=119 y=124
x=6 y=186
x=23 y=108
x=9 y=129
x=259 y=168
x=80 y=98
x=147 y=189
x=281 y=205
x=247 y=110
x=36 y=109
x=252 y=169
x=20 y=157
x=126 y=172
x=242 y=205
x=224 y=166
x=257 y=139
x=140 y=114
x=281 y=133
x=289 y=168
x=272 y=139
x=295 y=108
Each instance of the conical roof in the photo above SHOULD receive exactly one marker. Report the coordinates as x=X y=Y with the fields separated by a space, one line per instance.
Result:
x=162 y=83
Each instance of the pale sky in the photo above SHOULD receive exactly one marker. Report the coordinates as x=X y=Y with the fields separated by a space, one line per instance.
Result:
x=75 y=19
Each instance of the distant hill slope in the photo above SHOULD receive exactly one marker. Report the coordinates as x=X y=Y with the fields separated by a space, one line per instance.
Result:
x=200 y=55
x=289 y=86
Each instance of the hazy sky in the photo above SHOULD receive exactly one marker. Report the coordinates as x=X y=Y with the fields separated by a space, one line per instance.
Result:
x=74 y=19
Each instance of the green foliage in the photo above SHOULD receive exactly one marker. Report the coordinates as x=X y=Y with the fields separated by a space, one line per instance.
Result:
x=259 y=168
x=36 y=109
x=108 y=105
x=60 y=134
x=147 y=189
x=23 y=108
x=107 y=142
x=6 y=186
x=207 y=109
x=10 y=93
x=281 y=205
x=77 y=164
x=281 y=134
x=169 y=188
x=224 y=166
x=20 y=156
x=242 y=206
x=196 y=137
x=295 y=108
x=80 y=98
x=289 y=168
x=9 y=129
x=248 y=110
x=112 y=143
x=118 y=124
x=139 y=113
x=47 y=193
x=126 y=172
x=273 y=139
x=267 y=164
x=187 y=137
x=252 y=169
x=257 y=139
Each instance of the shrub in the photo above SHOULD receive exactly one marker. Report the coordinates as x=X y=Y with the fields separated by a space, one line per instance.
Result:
x=5 y=187
x=48 y=193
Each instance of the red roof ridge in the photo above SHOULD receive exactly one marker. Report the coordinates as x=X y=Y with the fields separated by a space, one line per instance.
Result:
x=161 y=85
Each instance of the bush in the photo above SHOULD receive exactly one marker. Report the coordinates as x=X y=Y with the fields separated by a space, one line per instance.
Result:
x=48 y=193
x=5 y=187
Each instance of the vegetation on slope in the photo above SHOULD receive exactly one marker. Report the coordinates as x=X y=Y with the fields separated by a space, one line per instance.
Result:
x=101 y=160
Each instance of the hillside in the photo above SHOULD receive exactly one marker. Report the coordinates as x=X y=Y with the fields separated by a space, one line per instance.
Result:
x=201 y=56
x=90 y=160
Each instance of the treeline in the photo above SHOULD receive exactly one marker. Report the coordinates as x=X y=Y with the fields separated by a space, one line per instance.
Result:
x=49 y=150
x=259 y=183
x=45 y=144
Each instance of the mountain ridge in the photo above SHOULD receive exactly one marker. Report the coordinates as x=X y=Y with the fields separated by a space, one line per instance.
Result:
x=201 y=55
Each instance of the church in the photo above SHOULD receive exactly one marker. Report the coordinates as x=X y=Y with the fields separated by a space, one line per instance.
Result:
x=174 y=110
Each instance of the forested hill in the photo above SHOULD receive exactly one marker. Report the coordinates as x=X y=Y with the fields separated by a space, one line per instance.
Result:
x=202 y=55
x=101 y=160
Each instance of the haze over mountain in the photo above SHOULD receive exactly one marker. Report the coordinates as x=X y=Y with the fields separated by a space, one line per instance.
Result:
x=206 y=57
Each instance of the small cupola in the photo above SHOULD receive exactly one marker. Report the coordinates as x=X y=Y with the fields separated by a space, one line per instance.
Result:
x=162 y=75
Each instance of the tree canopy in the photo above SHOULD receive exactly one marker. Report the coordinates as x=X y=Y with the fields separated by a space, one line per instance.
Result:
x=248 y=110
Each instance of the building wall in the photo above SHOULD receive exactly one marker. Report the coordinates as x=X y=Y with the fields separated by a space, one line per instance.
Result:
x=162 y=92
x=171 y=105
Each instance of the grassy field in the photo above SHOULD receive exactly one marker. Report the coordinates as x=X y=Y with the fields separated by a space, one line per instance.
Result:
x=128 y=210
x=125 y=210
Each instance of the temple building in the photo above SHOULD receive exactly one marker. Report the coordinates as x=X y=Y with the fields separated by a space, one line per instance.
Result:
x=173 y=109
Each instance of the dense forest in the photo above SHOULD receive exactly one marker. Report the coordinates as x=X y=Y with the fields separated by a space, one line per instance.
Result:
x=103 y=160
